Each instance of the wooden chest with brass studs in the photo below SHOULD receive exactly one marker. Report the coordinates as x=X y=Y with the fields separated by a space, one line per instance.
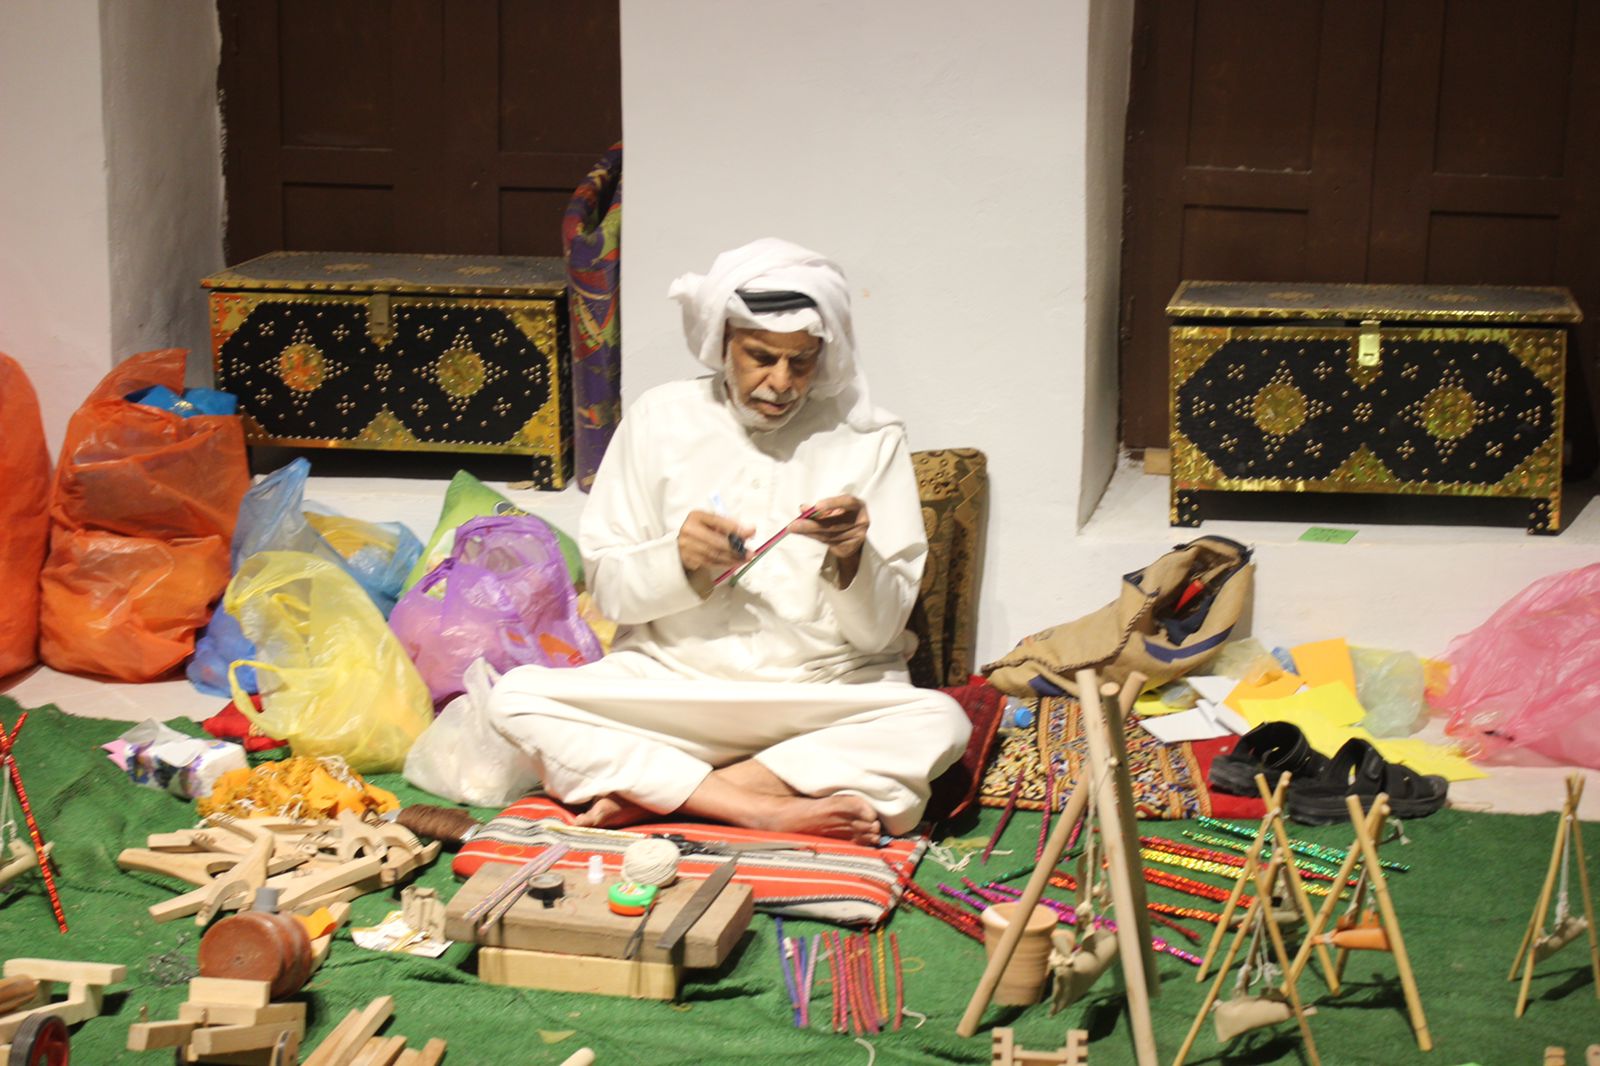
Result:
x=445 y=353
x=1437 y=390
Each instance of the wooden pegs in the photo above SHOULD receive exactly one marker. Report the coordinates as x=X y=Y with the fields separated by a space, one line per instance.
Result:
x=343 y=1044
x=380 y=1051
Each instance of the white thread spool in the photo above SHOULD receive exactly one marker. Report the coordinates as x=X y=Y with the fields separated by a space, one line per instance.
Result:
x=650 y=862
x=597 y=870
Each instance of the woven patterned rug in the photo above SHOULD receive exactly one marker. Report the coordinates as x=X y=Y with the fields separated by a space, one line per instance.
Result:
x=1168 y=781
x=803 y=876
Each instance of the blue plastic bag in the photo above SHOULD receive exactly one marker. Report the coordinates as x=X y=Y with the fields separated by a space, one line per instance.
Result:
x=274 y=516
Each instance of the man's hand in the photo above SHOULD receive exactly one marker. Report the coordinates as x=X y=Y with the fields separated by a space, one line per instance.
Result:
x=840 y=522
x=703 y=542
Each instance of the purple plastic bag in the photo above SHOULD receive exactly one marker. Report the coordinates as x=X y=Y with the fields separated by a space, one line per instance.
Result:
x=504 y=595
x=1529 y=677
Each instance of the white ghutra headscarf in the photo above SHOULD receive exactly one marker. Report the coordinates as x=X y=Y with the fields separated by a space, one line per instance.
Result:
x=712 y=301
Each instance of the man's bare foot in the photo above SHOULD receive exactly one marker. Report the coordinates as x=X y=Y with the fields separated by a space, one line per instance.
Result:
x=613 y=812
x=847 y=817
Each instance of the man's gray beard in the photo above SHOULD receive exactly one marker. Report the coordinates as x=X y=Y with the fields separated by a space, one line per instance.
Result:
x=754 y=420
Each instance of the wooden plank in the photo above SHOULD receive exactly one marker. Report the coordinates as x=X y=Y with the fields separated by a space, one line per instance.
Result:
x=91 y=973
x=584 y=925
x=223 y=1039
x=592 y=974
x=229 y=1014
x=142 y=1036
x=431 y=1052
x=228 y=992
x=380 y=1051
x=342 y=1052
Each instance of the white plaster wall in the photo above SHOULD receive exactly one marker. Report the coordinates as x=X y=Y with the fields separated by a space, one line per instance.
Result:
x=936 y=149
x=55 y=316
x=1109 y=58
x=164 y=180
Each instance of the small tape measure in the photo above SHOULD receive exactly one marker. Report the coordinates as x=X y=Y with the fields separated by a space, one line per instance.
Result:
x=629 y=899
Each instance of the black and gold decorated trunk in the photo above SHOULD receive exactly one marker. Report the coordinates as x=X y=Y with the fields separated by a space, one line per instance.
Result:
x=1418 y=389
x=399 y=352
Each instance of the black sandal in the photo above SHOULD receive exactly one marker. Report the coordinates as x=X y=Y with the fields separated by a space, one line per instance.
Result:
x=1271 y=748
x=1358 y=770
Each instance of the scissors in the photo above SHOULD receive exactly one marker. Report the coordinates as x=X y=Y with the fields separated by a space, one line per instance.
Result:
x=722 y=847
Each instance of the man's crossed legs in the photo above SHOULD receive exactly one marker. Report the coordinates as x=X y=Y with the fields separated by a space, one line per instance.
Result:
x=634 y=741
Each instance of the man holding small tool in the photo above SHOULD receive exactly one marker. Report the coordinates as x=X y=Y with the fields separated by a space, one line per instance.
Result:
x=758 y=683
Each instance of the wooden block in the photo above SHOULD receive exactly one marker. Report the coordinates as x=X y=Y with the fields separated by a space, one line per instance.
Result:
x=222 y=1039
x=432 y=1052
x=577 y=973
x=582 y=923
x=227 y=992
x=224 y=1014
x=142 y=1036
x=367 y=1024
x=91 y=973
x=409 y=1057
x=1158 y=460
x=380 y=1051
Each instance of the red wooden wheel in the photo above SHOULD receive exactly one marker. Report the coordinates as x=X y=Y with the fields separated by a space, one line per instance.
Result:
x=42 y=1040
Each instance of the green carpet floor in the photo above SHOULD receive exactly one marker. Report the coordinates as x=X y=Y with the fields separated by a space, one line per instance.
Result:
x=1463 y=909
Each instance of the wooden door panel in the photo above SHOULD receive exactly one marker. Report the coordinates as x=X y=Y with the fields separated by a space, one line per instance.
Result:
x=1249 y=154
x=413 y=125
x=1444 y=141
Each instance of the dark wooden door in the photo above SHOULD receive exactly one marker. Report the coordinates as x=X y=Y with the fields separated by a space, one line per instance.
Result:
x=1358 y=140
x=413 y=125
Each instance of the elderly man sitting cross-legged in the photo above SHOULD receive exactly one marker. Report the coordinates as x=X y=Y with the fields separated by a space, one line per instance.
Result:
x=777 y=700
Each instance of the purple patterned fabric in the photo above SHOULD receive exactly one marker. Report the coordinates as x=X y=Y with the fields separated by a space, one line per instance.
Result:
x=591 y=236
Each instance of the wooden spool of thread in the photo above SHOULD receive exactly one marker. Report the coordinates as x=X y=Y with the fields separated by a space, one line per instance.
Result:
x=447 y=824
x=258 y=946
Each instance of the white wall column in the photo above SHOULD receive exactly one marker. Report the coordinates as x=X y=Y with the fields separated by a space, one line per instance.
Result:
x=55 y=275
x=937 y=151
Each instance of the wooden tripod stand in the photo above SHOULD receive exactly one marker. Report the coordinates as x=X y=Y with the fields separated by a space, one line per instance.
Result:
x=1569 y=840
x=1108 y=776
x=1271 y=822
x=1364 y=852
x=1258 y=916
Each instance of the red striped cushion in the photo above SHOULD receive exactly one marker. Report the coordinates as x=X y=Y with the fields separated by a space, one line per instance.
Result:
x=804 y=876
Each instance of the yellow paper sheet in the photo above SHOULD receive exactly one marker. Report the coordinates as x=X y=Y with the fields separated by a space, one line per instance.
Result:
x=1329 y=703
x=1325 y=662
x=1268 y=688
x=1425 y=758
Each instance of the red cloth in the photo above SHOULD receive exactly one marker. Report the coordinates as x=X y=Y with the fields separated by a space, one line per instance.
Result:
x=1243 y=808
x=229 y=724
x=956 y=789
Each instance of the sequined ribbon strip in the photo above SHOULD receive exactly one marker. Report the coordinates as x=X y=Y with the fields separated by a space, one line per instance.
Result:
x=1069 y=915
x=1189 y=886
x=1219 y=869
x=1307 y=870
x=1301 y=847
x=1307 y=867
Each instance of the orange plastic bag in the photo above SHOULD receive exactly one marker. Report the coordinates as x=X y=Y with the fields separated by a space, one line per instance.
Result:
x=142 y=513
x=24 y=516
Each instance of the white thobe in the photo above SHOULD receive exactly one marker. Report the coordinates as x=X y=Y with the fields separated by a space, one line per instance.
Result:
x=784 y=666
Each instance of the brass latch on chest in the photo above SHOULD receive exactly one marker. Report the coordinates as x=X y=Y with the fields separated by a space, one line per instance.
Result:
x=1369 y=346
x=380 y=323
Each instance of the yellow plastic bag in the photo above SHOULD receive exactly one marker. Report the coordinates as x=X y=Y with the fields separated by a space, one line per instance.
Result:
x=334 y=680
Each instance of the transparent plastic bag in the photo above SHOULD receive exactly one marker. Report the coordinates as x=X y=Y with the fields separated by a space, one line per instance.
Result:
x=334 y=680
x=274 y=516
x=1529 y=677
x=1389 y=686
x=504 y=594
x=463 y=758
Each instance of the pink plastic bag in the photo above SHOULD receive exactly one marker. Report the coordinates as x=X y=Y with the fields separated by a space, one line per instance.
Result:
x=1529 y=677
x=503 y=594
